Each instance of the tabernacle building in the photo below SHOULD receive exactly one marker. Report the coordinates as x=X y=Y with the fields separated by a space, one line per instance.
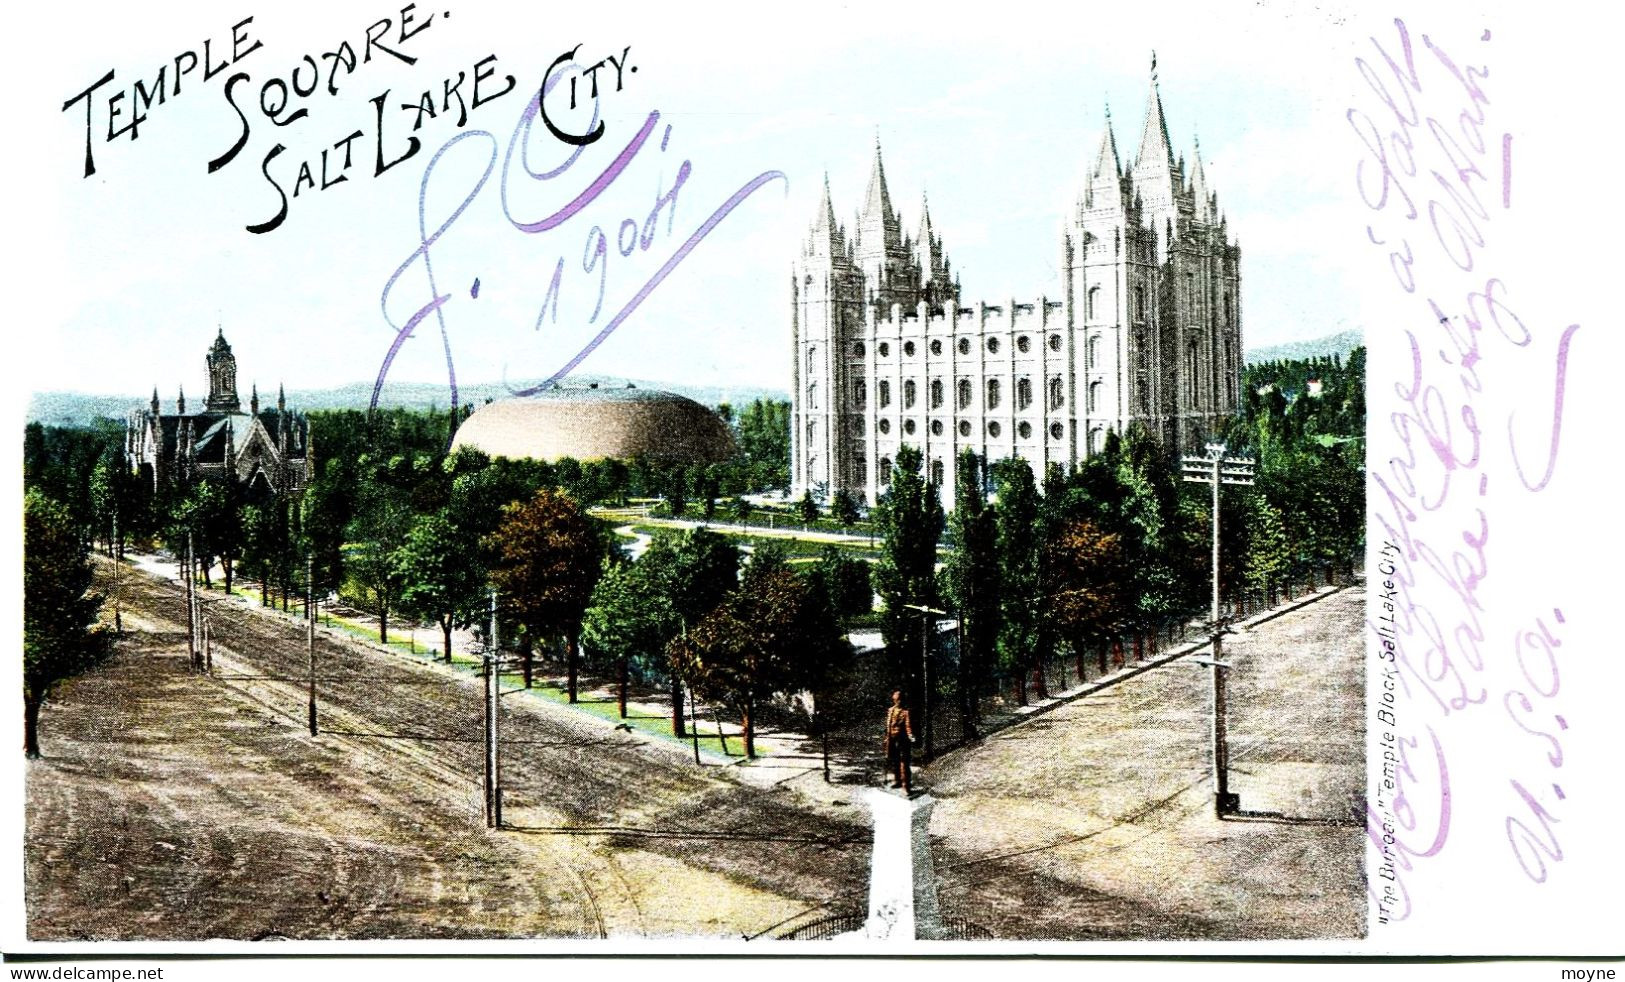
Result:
x=1146 y=331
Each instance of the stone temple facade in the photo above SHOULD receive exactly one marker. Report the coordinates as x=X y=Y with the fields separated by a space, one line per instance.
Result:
x=1145 y=331
x=267 y=452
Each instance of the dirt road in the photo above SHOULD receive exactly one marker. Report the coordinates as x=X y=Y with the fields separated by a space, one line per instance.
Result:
x=172 y=805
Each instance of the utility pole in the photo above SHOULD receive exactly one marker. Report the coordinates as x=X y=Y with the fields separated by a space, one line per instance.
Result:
x=118 y=619
x=926 y=613
x=493 y=731
x=191 y=605
x=310 y=634
x=1217 y=469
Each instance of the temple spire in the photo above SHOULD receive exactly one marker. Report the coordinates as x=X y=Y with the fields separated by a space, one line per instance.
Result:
x=155 y=404
x=180 y=402
x=826 y=234
x=879 y=223
x=1199 y=188
x=254 y=399
x=1103 y=187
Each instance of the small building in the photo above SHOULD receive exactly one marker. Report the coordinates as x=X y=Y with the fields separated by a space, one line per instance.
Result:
x=267 y=452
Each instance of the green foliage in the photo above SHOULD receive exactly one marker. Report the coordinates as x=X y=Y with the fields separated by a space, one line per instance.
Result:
x=845 y=581
x=844 y=508
x=59 y=611
x=974 y=584
x=807 y=509
x=438 y=576
x=1017 y=548
x=550 y=556
x=911 y=522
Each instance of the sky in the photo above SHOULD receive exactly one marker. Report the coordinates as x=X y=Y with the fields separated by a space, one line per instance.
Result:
x=995 y=122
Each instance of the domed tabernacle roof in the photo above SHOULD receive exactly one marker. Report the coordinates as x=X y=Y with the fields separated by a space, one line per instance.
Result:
x=591 y=424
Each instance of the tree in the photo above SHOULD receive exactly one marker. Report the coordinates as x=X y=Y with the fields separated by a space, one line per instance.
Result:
x=910 y=520
x=974 y=585
x=742 y=509
x=629 y=622
x=382 y=521
x=1017 y=547
x=550 y=556
x=1088 y=603
x=844 y=508
x=774 y=633
x=807 y=508
x=692 y=570
x=845 y=581
x=59 y=612
x=438 y=576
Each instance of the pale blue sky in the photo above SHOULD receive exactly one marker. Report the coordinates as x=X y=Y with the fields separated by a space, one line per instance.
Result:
x=995 y=122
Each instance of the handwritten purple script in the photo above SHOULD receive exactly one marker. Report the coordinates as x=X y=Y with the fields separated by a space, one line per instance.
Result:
x=630 y=236
x=1437 y=171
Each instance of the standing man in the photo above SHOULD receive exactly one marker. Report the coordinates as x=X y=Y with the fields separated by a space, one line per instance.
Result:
x=899 y=736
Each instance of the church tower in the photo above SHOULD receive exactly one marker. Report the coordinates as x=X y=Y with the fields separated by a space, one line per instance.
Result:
x=828 y=295
x=222 y=377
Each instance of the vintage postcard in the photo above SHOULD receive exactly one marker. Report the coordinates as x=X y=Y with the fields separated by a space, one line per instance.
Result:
x=803 y=480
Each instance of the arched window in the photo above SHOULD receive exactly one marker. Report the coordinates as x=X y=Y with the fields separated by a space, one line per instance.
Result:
x=812 y=395
x=908 y=394
x=1024 y=393
x=860 y=472
x=964 y=393
x=936 y=472
x=936 y=393
x=1095 y=391
x=860 y=394
x=1190 y=373
x=885 y=471
x=992 y=393
x=812 y=360
x=885 y=394
x=1094 y=302
x=1094 y=351
x=1057 y=392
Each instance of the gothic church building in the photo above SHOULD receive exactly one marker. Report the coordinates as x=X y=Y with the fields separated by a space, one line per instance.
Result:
x=1146 y=331
x=266 y=452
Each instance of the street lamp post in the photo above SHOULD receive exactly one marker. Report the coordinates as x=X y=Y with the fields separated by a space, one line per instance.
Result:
x=926 y=613
x=1217 y=469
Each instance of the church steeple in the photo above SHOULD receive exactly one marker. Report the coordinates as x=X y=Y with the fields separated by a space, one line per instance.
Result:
x=222 y=377
x=826 y=237
x=1103 y=187
x=878 y=230
x=1154 y=171
x=254 y=399
x=1199 y=188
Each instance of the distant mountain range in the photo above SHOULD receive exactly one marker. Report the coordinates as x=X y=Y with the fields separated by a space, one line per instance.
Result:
x=1333 y=344
x=79 y=409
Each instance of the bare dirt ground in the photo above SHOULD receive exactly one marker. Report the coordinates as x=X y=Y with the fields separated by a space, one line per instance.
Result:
x=172 y=805
x=1096 y=820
